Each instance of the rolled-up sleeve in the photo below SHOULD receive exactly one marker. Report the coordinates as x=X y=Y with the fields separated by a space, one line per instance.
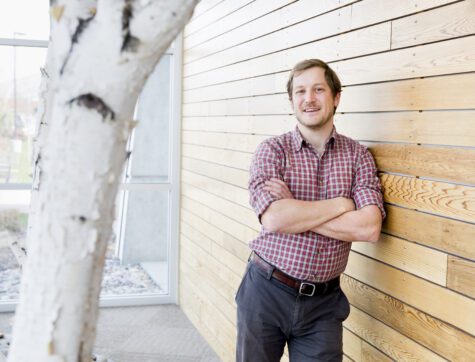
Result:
x=267 y=163
x=367 y=187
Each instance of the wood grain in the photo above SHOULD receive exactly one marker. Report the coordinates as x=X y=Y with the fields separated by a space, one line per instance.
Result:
x=326 y=25
x=452 y=236
x=386 y=339
x=229 y=158
x=233 y=245
x=260 y=125
x=414 y=94
x=212 y=70
x=439 y=24
x=452 y=128
x=228 y=192
x=358 y=349
x=461 y=275
x=222 y=24
x=222 y=222
x=239 y=213
x=375 y=11
x=413 y=258
x=447 y=57
x=455 y=201
x=443 y=163
x=433 y=333
x=229 y=175
x=414 y=291
x=209 y=12
x=190 y=304
x=227 y=141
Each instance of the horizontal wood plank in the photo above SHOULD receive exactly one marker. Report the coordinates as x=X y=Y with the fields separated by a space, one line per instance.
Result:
x=228 y=192
x=386 y=339
x=239 y=213
x=211 y=12
x=447 y=57
x=237 y=19
x=406 y=95
x=222 y=222
x=413 y=291
x=438 y=24
x=211 y=315
x=413 y=258
x=443 y=163
x=435 y=334
x=455 y=201
x=461 y=275
x=215 y=69
x=328 y=24
x=196 y=266
x=229 y=141
x=190 y=305
x=259 y=125
x=235 y=246
x=451 y=128
x=375 y=11
x=239 y=160
x=452 y=236
x=359 y=350
x=229 y=175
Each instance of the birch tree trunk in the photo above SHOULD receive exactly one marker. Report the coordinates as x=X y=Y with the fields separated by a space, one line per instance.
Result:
x=100 y=56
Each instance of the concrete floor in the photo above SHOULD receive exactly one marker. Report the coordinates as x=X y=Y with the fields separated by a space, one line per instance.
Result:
x=145 y=334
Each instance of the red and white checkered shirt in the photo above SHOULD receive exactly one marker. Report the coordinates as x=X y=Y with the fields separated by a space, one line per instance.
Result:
x=346 y=169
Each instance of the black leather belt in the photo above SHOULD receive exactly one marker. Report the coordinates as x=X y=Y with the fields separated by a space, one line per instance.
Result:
x=302 y=287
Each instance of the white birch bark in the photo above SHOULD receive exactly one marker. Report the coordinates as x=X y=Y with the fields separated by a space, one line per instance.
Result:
x=102 y=52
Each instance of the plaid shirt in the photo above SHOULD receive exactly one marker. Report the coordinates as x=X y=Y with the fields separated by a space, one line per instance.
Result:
x=346 y=169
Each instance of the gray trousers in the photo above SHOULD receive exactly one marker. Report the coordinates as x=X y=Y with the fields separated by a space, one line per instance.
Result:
x=271 y=314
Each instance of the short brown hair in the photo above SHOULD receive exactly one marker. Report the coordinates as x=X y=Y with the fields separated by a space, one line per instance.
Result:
x=330 y=75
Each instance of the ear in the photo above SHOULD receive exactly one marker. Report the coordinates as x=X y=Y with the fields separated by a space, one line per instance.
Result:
x=291 y=104
x=337 y=99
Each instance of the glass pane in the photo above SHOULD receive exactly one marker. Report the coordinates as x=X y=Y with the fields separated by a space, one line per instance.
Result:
x=13 y=225
x=25 y=19
x=19 y=84
x=141 y=265
x=150 y=155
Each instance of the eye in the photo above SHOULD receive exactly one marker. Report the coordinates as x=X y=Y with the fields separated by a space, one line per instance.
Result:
x=300 y=91
x=320 y=90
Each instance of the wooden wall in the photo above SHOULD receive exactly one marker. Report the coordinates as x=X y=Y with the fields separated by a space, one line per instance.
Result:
x=408 y=70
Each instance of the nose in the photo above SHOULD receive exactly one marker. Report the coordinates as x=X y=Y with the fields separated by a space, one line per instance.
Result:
x=310 y=97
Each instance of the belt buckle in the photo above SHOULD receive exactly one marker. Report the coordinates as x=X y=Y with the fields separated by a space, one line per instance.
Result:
x=302 y=285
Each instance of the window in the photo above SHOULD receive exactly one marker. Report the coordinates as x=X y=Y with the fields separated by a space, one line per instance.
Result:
x=141 y=264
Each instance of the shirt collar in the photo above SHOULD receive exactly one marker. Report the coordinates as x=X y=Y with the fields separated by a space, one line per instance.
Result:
x=298 y=141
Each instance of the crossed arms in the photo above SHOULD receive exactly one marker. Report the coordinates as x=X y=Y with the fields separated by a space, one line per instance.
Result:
x=336 y=218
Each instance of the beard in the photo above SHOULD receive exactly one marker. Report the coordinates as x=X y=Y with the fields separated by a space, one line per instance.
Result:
x=314 y=123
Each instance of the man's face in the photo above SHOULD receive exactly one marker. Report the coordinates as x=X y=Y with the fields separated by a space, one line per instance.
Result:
x=312 y=99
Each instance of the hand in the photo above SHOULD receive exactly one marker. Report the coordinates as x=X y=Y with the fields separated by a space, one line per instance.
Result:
x=278 y=188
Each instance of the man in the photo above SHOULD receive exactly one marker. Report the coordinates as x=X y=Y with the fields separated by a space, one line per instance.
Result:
x=314 y=191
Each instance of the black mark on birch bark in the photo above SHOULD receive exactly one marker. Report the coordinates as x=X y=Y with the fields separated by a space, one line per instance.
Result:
x=38 y=158
x=129 y=42
x=82 y=219
x=92 y=101
x=82 y=25
x=44 y=73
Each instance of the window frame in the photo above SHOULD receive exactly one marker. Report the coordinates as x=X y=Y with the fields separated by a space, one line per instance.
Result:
x=173 y=185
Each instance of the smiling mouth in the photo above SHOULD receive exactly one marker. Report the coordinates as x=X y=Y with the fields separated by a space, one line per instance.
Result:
x=311 y=110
